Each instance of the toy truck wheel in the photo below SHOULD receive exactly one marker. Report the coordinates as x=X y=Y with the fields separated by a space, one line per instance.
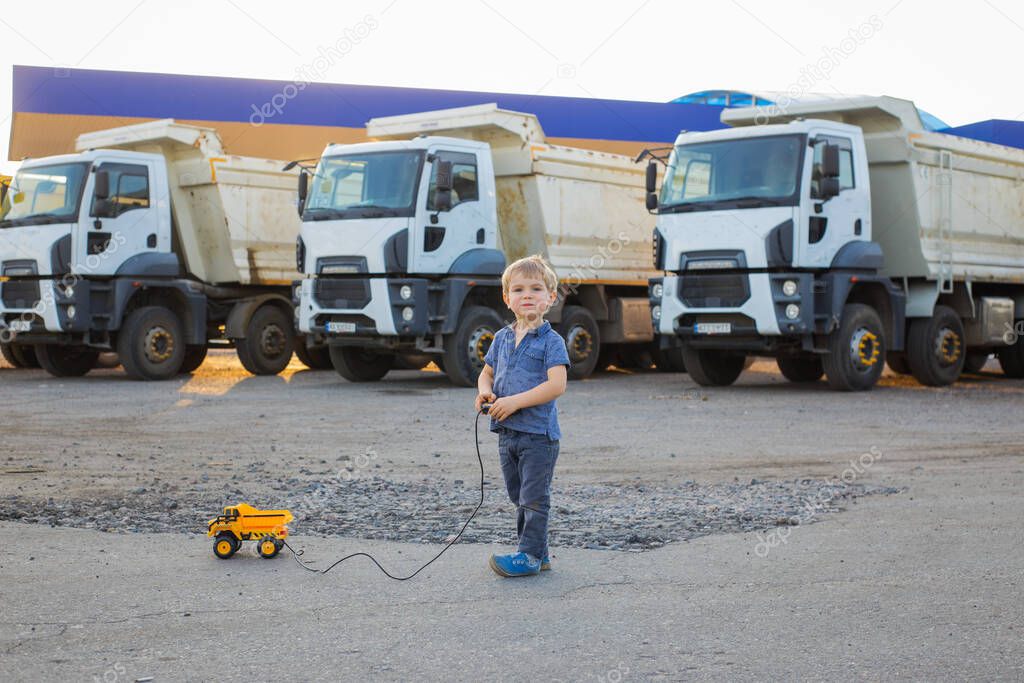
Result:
x=267 y=346
x=712 y=367
x=269 y=548
x=801 y=368
x=315 y=358
x=936 y=348
x=465 y=350
x=1011 y=358
x=856 y=350
x=151 y=343
x=66 y=361
x=194 y=357
x=582 y=340
x=357 y=364
x=225 y=545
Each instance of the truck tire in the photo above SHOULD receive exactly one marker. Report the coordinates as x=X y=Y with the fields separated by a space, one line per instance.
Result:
x=464 y=350
x=267 y=347
x=7 y=352
x=897 y=361
x=856 y=350
x=936 y=348
x=669 y=360
x=20 y=355
x=269 y=548
x=151 y=344
x=357 y=364
x=315 y=358
x=711 y=367
x=194 y=357
x=806 y=368
x=582 y=340
x=975 y=361
x=1011 y=358
x=66 y=361
x=225 y=545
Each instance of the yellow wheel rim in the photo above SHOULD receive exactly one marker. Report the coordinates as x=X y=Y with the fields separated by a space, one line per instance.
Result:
x=223 y=547
x=268 y=547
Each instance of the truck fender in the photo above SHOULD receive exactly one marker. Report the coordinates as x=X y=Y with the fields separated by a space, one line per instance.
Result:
x=877 y=291
x=480 y=261
x=241 y=312
x=859 y=256
x=456 y=291
x=193 y=304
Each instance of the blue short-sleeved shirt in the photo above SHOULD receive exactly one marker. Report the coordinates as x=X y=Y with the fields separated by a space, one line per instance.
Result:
x=521 y=368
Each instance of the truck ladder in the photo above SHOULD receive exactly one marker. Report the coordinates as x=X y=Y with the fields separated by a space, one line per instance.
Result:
x=945 y=226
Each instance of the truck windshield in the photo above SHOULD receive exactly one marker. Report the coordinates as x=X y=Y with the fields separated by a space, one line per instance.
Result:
x=731 y=174
x=367 y=185
x=44 y=194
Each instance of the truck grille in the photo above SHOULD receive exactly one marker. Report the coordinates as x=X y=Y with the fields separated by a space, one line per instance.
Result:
x=341 y=293
x=714 y=290
x=19 y=293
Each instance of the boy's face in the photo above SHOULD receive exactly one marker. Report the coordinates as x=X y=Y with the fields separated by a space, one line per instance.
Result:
x=528 y=297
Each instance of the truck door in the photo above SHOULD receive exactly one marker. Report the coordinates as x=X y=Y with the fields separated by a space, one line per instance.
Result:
x=842 y=219
x=122 y=225
x=457 y=230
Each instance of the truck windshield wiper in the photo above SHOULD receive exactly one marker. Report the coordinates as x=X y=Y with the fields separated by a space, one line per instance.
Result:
x=765 y=201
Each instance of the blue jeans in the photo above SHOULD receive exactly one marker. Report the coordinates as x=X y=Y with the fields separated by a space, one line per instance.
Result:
x=528 y=463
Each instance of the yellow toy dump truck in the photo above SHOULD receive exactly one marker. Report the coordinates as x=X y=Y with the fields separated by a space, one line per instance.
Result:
x=243 y=522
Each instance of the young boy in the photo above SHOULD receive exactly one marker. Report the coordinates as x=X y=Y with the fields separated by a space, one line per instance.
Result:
x=524 y=372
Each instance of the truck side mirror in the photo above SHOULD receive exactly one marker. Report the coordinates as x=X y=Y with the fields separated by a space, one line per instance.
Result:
x=303 y=190
x=652 y=177
x=443 y=187
x=830 y=161
x=828 y=188
x=101 y=188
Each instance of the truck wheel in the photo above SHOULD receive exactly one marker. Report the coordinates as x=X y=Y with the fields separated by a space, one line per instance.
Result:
x=7 y=350
x=898 y=362
x=856 y=350
x=268 y=548
x=582 y=340
x=267 y=346
x=194 y=357
x=975 y=361
x=935 y=347
x=465 y=350
x=1011 y=358
x=66 y=361
x=357 y=364
x=712 y=368
x=669 y=360
x=801 y=368
x=27 y=353
x=225 y=545
x=151 y=344
x=315 y=358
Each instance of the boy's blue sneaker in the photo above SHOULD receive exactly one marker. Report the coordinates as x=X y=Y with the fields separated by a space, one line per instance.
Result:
x=545 y=563
x=516 y=564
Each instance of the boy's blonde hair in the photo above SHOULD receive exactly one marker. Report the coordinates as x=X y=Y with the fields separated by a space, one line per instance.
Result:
x=534 y=266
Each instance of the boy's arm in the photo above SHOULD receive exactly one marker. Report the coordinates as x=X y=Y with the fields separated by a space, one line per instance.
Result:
x=544 y=392
x=485 y=387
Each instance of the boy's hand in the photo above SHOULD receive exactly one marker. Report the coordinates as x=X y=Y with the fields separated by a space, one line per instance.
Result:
x=503 y=408
x=484 y=398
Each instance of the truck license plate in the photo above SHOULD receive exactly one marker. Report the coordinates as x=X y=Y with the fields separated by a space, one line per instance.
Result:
x=341 y=328
x=21 y=325
x=712 y=328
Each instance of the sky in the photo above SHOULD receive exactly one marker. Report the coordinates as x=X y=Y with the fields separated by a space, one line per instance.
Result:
x=956 y=60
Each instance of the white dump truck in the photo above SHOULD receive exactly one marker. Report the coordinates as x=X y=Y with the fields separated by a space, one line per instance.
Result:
x=152 y=242
x=837 y=235
x=404 y=240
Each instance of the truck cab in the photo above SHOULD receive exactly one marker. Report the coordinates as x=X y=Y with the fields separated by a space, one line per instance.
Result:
x=382 y=222
x=765 y=235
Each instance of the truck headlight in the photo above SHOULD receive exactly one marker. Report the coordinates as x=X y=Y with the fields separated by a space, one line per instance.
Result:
x=71 y=311
x=656 y=312
x=792 y=311
x=405 y=292
x=298 y=292
x=658 y=290
x=407 y=313
x=789 y=287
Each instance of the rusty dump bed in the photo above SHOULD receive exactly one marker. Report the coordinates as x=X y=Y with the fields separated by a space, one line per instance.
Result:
x=234 y=216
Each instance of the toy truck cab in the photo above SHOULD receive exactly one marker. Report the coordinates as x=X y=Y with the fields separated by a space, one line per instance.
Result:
x=243 y=522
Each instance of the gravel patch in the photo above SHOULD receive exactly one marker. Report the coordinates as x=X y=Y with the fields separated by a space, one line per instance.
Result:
x=633 y=517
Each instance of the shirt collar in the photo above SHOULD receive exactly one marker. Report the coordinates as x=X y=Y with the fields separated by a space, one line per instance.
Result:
x=543 y=327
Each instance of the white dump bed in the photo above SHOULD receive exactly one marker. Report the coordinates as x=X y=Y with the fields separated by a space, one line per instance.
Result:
x=234 y=217
x=583 y=210
x=943 y=207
